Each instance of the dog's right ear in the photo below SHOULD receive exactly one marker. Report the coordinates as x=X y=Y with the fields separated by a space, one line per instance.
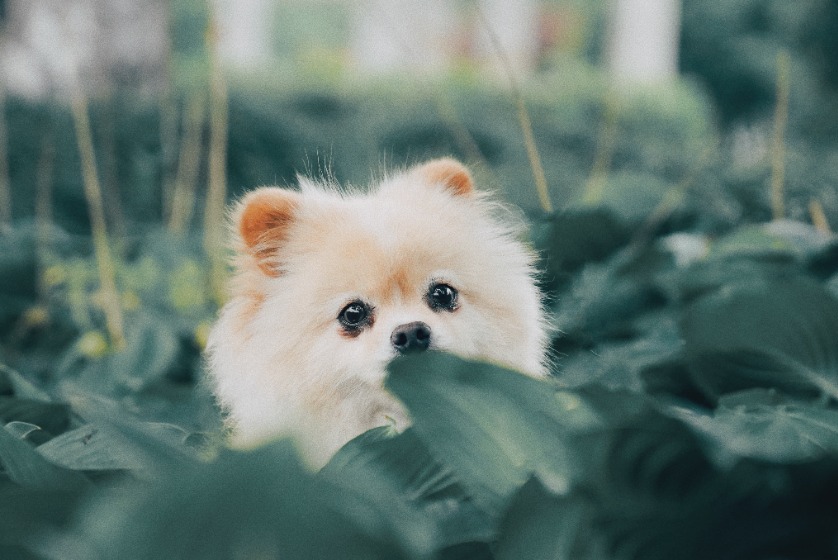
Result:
x=448 y=173
x=263 y=219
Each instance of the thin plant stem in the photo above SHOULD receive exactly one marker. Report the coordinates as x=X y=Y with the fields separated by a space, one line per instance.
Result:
x=43 y=207
x=778 y=150
x=445 y=109
x=168 y=132
x=186 y=182
x=818 y=215
x=524 y=120
x=5 y=181
x=462 y=135
x=168 y=150
x=217 y=169
x=110 y=170
x=595 y=185
x=671 y=200
x=93 y=193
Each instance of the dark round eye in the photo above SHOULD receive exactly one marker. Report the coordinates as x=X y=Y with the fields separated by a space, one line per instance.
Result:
x=354 y=315
x=442 y=297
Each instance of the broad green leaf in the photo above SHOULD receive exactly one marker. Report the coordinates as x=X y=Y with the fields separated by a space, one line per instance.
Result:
x=601 y=303
x=578 y=236
x=152 y=350
x=28 y=432
x=27 y=468
x=418 y=478
x=762 y=425
x=154 y=446
x=261 y=504
x=806 y=238
x=777 y=239
x=21 y=387
x=51 y=417
x=618 y=365
x=633 y=196
x=541 y=525
x=90 y=449
x=781 y=334
x=18 y=262
x=25 y=513
x=494 y=428
x=711 y=275
x=752 y=241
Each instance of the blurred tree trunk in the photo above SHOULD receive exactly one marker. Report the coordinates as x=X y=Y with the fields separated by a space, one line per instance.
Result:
x=244 y=32
x=642 y=42
x=512 y=26
x=58 y=47
x=407 y=36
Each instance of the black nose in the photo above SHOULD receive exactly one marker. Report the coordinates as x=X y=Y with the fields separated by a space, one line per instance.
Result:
x=411 y=337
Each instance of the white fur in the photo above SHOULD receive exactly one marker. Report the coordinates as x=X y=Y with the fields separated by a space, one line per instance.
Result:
x=278 y=361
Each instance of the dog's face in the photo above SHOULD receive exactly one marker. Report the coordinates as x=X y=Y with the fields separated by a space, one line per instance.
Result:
x=332 y=287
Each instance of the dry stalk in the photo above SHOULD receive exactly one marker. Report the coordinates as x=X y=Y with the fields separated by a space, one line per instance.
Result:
x=5 y=182
x=778 y=150
x=93 y=193
x=818 y=215
x=524 y=120
x=595 y=185
x=186 y=181
x=217 y=190
x=43 y=207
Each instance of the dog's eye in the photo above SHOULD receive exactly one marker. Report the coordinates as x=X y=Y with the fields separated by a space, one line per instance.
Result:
x=354 y=315
x=442 y=297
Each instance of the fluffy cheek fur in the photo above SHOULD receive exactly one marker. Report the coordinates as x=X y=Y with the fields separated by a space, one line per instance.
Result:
x=296 y=368
x=286 y=369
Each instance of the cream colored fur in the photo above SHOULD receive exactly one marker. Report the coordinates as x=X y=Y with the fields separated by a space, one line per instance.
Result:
x=279 y=361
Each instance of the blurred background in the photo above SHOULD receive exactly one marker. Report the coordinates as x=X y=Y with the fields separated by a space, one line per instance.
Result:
x=127 y=125
x=677 y=165
x=348 y=84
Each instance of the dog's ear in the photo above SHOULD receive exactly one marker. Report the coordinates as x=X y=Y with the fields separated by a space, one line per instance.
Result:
x=263 y=220
x=449 y=173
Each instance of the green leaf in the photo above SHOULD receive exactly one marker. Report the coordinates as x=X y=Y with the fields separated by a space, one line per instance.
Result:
x=777 y=239
x=619 y=365
x=601 y=303
x=778 y=334
x=27 y=468
x=90 y=449
x=418 y=478
x=633 y=196
x=752 y=241
x=51 y=417
x=572 y=238
x=261 y=504
x=152 y=350
x=21 y=387
x=26 y=513
x=541 y=525
x=711 y=275
x=762 y=425
x=151 y=446
x=28 y=432
x=494 y=428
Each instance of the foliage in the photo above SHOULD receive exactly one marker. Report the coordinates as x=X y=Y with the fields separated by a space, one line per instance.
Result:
x=732 y=45
x=691 y=412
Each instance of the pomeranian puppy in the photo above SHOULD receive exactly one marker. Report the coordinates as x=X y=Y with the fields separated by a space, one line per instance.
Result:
x=331 y=285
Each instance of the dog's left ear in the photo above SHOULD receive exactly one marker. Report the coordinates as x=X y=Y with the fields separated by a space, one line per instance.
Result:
x=264 y=218
x=449 y=173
